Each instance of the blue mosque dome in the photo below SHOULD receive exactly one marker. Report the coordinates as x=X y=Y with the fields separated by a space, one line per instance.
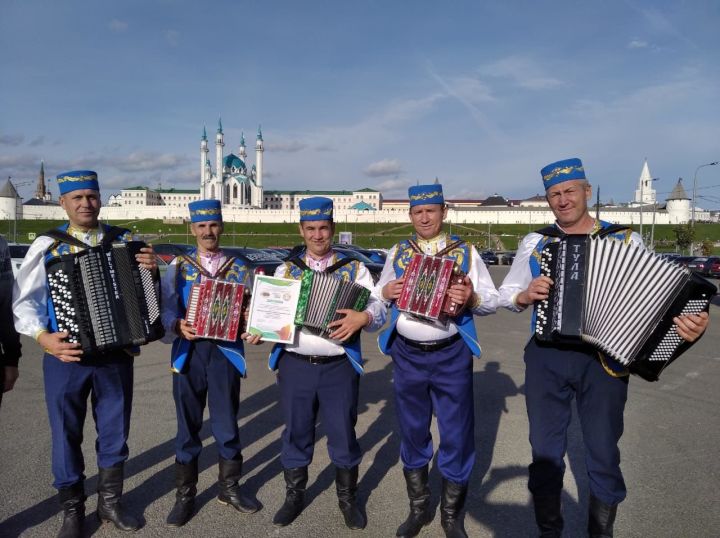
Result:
x=233 y=161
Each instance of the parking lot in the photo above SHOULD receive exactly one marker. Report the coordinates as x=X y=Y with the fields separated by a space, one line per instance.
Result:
x=669 y=451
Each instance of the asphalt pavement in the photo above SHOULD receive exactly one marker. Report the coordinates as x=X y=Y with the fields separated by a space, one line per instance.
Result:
x=669 y=451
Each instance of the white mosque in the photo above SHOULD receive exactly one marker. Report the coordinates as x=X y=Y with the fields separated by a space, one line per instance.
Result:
x=231 y=182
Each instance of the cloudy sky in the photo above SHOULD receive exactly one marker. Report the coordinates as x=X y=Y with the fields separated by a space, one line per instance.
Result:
x=382 y=94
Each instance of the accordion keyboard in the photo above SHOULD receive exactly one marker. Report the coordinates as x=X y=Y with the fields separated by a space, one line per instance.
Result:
x=61 y=295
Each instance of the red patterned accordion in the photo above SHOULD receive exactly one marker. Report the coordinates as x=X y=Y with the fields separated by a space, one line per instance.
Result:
x=424 y=292
x=214 y=309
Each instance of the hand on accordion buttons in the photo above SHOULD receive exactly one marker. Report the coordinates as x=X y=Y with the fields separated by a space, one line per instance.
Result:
x=55 y=344
x=185 y=330
x=460 y=293
x=349 y=324
x=146 y=258
x=691 y=326
x=392 y=289
x=538 y=290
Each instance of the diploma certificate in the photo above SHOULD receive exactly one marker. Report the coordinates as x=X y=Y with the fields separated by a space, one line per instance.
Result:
x=272 y=308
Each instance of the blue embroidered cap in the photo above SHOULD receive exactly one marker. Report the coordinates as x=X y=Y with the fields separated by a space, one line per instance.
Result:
x=76 y=180
x=316 y=208
x=202 y=210
x=560 y=171
x=426 y=194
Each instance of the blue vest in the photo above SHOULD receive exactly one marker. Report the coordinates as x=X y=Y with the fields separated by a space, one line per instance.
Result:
x=535 y=257
x=187 y=275
x=464 y=322
x=59 y=249
x=348 y=273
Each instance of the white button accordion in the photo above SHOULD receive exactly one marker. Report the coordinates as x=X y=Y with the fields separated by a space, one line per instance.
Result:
x=619 y=298
x=104 y=299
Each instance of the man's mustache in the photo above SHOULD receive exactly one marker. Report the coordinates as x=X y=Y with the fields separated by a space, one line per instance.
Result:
x=209 y=236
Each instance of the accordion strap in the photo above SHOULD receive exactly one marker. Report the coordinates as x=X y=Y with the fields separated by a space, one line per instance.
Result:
x=612 y=229
x=109 y=235
x=449 y=248
x=221 y=272
x=551 y=231
x=330 y=269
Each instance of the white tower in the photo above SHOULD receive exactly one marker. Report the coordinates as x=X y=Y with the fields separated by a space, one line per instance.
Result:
x=203 y=164
x=259 y=157
x=678 y=205
x=241 y=150
x=645 y=194
x=219 y=143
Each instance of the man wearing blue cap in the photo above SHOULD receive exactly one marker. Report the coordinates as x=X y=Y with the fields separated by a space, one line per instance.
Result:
x=322 y=375
x=556 y=373
x=433 y=366
x=70 y=377
x=204 y=370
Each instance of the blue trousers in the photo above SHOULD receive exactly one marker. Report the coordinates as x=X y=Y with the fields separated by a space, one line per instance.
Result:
x=328 y=389
x=553 y=376
x=208 y=376
x=440 y=382
x=109 y=383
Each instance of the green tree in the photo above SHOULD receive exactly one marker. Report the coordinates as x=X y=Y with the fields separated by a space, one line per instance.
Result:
x=706 y=248
x=684 y=236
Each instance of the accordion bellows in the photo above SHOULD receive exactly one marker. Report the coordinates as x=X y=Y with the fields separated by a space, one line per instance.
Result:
x=322 y=295
x=104 y=299
x=620 y=298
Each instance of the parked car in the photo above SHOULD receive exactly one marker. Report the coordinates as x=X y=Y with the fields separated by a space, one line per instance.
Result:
x=261 y=262
x=17 y=255
x=506 y=258
x=706 y=266
x=375 y=255
x=167 y=252
x=684 y=260
x=489 y=257
x=375 y=268
x=279 y=252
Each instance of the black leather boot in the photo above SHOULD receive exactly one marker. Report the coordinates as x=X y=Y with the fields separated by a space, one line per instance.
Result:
x=601 y=518
x=72 y=500
x=548 y=515
x=295 y=483
x=186 y=478
x=346 y=485
x=110 y=487
x=228 y=477
x=418 y=491
x=452 y=503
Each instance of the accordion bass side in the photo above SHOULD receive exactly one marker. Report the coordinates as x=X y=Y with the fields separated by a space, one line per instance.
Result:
x=619 y=298
x=322 y=295
x=104 y=299
x=214 y=309
x=424 y=292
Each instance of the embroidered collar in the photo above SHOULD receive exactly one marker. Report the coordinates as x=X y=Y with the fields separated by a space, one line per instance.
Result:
x=434 y=245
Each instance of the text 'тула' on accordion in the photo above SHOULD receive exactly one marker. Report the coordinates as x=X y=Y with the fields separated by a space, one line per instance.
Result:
x=104 y=299
x=424 y=291
x=620 y=298
x=322 y=295
x=214 y=309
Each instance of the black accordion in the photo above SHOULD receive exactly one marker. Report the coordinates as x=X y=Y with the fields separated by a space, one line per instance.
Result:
x=104 y=299
x=620 y=298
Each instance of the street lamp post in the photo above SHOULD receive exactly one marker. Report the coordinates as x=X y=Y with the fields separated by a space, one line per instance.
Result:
x=692 y=219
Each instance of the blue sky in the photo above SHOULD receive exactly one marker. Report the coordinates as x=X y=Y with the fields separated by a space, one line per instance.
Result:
x=380 y=94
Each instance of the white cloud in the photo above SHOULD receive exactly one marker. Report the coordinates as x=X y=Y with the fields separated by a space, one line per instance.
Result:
x=637 y=44
x=118 y=25
x=385 y=167
x=522 y=71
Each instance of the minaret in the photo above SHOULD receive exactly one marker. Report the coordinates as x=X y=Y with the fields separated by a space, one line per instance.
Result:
x=645 y=194
x=218 y=160
x=203 y=160
x=259 y=157
x=242 y=153
x=40 y=192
